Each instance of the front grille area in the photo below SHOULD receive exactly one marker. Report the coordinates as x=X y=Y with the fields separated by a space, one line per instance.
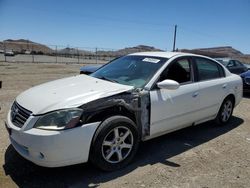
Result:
x=247 y=80
x=19 y=115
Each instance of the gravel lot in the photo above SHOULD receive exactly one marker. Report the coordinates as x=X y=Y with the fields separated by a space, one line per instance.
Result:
x=49 y=59
x=202 y=156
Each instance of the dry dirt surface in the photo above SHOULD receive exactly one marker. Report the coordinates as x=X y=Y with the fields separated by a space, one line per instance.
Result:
x=202 y=156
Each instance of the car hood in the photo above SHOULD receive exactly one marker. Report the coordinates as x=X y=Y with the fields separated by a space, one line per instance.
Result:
x=90 y=68
x=68 y=93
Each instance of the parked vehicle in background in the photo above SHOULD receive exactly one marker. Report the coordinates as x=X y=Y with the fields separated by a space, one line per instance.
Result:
x=247 y=65
x=246 y=81
x=88 y=69
x=103 y=117
x=9 y=53
x=27 y=52
x=234 y=66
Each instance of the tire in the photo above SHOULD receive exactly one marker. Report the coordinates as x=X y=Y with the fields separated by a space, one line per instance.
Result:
x=114 y=144
x=226 y=110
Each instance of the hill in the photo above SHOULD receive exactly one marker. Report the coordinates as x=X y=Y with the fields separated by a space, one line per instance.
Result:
x=27 y=46
x=222 y=51
x=125 y=51
x=74 y=51
x=22 y=46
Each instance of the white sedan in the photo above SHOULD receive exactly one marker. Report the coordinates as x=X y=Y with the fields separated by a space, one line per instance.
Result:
x=102 y=117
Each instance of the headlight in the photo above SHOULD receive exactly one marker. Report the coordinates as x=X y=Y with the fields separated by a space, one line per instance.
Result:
x=59 y=120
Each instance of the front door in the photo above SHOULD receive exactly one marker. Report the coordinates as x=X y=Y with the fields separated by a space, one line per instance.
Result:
x=174 y=109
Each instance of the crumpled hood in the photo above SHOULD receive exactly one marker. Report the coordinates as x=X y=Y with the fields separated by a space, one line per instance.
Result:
x=68 y=93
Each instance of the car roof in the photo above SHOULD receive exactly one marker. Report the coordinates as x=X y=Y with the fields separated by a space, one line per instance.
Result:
x=160 y=54
x=224 y=59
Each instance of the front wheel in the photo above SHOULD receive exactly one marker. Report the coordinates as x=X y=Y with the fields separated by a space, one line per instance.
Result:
x=225 y=112
x=115 y=143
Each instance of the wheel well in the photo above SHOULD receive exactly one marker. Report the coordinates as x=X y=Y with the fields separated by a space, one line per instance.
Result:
x=231 y=96
x=108 y=112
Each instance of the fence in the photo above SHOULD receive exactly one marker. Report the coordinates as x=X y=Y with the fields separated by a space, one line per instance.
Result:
x=27 y=51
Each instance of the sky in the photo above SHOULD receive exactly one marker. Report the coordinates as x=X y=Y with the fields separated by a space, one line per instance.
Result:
x=116 y=24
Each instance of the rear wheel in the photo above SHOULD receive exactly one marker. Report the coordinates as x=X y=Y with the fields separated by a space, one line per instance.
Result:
x=225 y=112
x=115 y=143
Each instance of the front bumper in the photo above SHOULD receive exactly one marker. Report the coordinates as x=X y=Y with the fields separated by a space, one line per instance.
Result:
x=51 y=148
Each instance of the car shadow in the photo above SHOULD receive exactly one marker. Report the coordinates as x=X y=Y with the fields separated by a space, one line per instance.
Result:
x=158 y=150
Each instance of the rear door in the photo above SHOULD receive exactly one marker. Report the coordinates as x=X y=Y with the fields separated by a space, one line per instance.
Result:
x=213 y=86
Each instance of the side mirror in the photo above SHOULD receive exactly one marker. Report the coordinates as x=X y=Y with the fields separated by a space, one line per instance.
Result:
x=168 y=84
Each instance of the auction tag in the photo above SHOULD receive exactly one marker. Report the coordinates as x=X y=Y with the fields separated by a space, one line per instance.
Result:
x=151 y=60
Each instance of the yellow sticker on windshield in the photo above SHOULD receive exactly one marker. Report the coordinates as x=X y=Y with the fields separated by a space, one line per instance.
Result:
x=151 y=60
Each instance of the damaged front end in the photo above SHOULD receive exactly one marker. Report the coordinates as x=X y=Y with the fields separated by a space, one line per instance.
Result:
x=134 y=104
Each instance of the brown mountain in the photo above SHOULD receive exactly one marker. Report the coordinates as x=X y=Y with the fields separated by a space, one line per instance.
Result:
x=74 y=51
x=222 y=51
x=22 y=46
x=125 y=51
x=228 y=50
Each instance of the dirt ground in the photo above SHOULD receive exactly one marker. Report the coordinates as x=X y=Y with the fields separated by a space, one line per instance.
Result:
x=202 y=156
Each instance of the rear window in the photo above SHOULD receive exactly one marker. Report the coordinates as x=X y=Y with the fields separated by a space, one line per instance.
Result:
x=208 y=69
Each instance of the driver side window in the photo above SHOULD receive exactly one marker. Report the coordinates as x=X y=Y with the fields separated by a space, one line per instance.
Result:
x=231 y=63
x=179 y=71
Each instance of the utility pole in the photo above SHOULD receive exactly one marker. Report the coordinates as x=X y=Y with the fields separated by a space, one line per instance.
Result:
x=32 y=53
x=96 y=55
x=175 y=30
x=78 y=60
x=27 y=48
x=56 y=53
x=4 y=48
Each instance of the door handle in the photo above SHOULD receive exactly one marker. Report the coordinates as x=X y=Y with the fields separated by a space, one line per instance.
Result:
x=195 y=94
x=224 y=86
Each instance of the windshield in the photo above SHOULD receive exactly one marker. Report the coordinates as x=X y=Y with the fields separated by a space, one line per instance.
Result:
x=130 y=70
x=222 y=62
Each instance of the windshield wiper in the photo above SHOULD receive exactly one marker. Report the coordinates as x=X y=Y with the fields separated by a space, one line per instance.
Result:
x=108 y=79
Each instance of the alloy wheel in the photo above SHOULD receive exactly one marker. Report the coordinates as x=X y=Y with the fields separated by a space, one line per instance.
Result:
x=117 y=144
x=227 y=110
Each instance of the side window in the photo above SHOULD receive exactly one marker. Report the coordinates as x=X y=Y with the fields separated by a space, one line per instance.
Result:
x=180 y=71
x=238 y=64
x=231 y=63
x=208 y=69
